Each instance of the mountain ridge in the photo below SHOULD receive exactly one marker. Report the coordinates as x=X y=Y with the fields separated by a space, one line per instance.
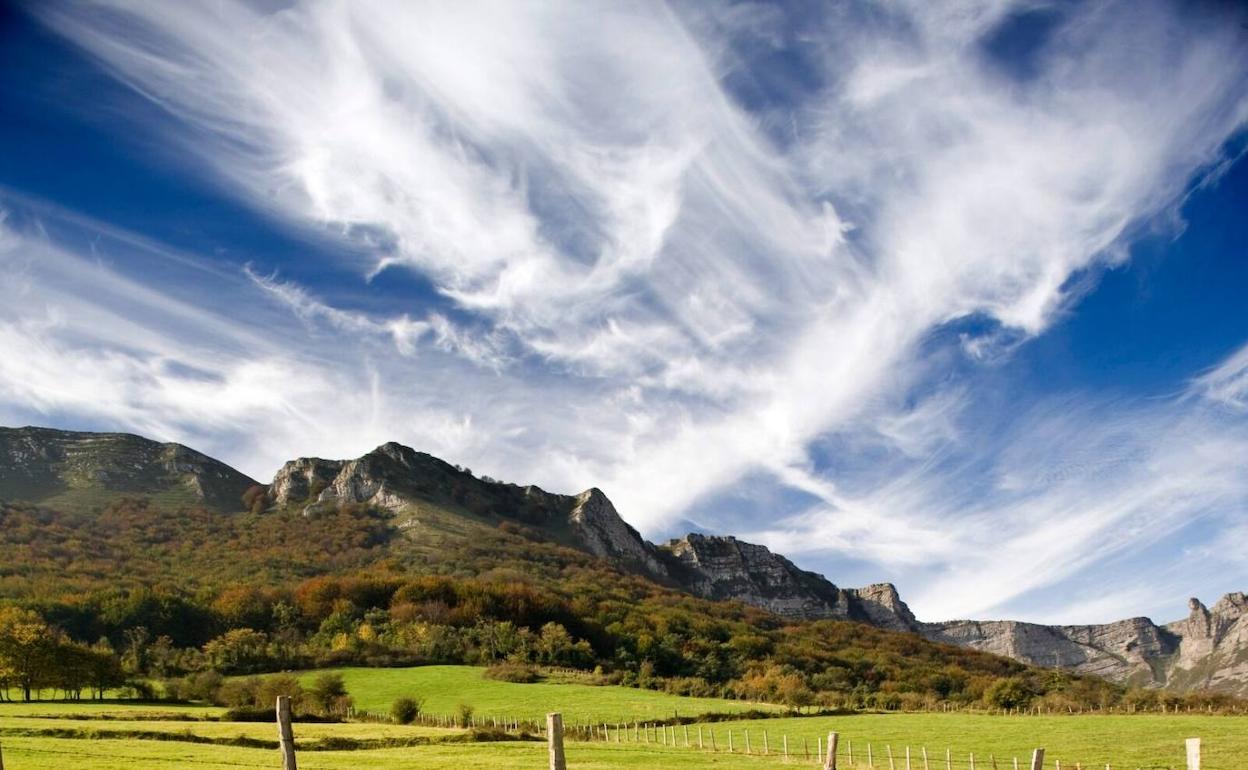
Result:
x=1206 y=650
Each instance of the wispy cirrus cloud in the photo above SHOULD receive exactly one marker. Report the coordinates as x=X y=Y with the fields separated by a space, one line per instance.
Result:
x=1226 y=383
x=672 y=281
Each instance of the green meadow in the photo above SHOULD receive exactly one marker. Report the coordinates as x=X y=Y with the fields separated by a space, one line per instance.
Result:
x=123 y=736
x=444 y=688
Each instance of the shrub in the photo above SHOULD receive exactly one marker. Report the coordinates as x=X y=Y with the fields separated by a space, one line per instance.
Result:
x=281 y=684
x=202 y=686
x=512 y=672
x=463 y=714
x=1014 y=692
x=405 y=710
x=329 y=694
x=238 y=693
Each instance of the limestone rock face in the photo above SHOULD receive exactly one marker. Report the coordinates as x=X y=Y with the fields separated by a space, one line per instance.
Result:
x=1207 y=650
x=880 y=605
x=394 y=476
x=297 y=479
x=603 y=533
x=81 y=471
x=389 y=476
x=718 y=567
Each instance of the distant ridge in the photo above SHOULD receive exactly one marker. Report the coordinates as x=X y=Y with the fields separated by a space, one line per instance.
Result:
x=79 y=470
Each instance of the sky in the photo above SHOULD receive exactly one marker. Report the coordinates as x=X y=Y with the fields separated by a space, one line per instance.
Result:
x=952 y=295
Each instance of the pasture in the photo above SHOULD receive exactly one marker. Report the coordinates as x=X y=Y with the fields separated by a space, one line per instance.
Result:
x=444 y=688
x=122 y=736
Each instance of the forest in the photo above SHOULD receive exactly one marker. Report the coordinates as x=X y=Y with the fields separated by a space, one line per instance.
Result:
x=209 y=597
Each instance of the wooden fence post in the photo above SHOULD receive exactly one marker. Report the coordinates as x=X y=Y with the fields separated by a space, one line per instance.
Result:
x=686 y=738
x=829 y=763
x=819 y=748
x=554 y=741
x=700 y=744
x=1193 y=754
x=285 y=733
x=1037 y=759
x=785 y=739
x=747 y=741
x=1 y=758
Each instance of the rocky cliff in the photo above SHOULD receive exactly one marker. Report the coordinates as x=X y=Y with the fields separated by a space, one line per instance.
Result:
x=83 y=471
x=1207 y=650
x=399 y=478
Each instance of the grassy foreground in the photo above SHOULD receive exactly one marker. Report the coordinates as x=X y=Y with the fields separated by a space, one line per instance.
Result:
x=1088 y=741
x=445 y=687
x=119 y=736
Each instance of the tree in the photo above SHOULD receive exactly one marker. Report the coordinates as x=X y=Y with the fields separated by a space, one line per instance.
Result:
x=1014 y=692
x=406 y=710
x=237 y=650
x=329 y=695
x=28 y=647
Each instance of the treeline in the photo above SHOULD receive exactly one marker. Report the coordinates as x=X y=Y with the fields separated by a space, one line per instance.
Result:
x=35 y=656
x=625 y=629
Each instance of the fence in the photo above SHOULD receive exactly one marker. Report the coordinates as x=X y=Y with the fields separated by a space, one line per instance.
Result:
x=826 y=755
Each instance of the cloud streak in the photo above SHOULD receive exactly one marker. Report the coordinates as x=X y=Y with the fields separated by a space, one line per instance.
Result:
x=668 y=288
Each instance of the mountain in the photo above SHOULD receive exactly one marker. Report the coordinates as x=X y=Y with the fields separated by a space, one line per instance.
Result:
x=1206 y=651
x=439 y=518
x=1209 y=650
x=710 y=566
x=80 y=471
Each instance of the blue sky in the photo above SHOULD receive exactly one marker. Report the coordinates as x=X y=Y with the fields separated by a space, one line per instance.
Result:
x=951 y=295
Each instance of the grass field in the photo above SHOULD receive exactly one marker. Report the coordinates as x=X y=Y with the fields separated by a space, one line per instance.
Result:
x=109 y=710
x=445 y=687
x=91 y=736
x=1123 y=741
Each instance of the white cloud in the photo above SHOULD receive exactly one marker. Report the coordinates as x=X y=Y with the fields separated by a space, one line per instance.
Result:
x=1226 y=383
x=664 y=297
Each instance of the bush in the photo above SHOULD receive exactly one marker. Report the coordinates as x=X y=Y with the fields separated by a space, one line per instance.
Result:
x=463 y=715
x=329 y=695
x=203 y=686
x=281 y=684
x=404 y=711
x=1014 y=692
x=512 y=672
x=238 y=693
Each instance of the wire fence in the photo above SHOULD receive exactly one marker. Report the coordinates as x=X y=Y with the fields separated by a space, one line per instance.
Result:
x=717 y=737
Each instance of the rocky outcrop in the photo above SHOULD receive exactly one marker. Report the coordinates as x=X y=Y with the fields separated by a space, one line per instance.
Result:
x=1208 y=650
x=717 y=567
x=82 y=471
x=880 y=605
x=394 y=477
x=603 y=533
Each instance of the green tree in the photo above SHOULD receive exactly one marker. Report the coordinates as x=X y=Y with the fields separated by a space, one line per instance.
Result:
x=237 y=650
x=406 y=710
x=28 y=647
x=1014 y=692
x=329 y=695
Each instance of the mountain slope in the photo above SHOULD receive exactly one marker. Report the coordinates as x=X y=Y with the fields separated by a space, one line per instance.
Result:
x=81 y=471
x=398 y=509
